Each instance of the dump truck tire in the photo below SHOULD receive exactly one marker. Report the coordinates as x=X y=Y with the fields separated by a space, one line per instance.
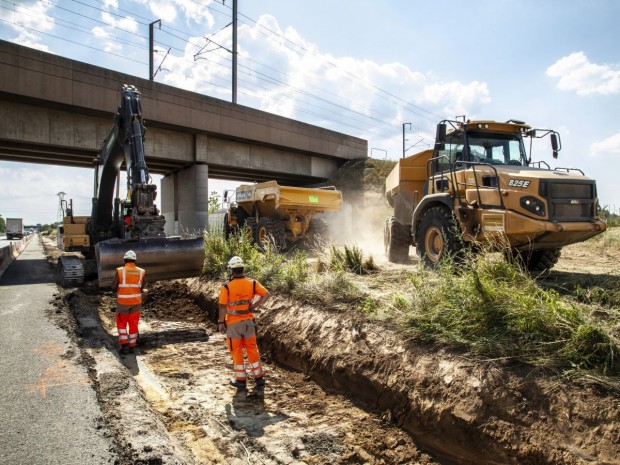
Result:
x=250 y=228
x=319 y=228
x=437 y=237
x=396 y=240
x=537 y=262
x=271 y=228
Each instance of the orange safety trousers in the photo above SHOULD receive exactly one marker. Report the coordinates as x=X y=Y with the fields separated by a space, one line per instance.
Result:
x=122 y=321
x=236 y=346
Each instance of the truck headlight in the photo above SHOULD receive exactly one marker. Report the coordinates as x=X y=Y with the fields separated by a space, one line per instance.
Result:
x=533 y=205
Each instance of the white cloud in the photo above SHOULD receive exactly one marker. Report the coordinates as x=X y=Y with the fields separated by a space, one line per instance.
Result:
x=32 y=40
x=126 y=24
x=196 y=12
x=30 y=14
x=609 y=146
x=28 y=19
x=456 y=98
x=576 y=73
x=100 y=32
x=192 y=10
x=32 y=192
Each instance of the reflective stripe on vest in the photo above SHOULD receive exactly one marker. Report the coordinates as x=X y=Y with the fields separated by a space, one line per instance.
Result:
x=233 y=307
x=130 y=279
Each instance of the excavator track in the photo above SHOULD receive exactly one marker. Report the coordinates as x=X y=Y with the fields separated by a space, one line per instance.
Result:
x=71 y=271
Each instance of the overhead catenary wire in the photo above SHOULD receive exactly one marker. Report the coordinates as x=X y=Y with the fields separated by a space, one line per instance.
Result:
x=415 y=108
x=326 y=108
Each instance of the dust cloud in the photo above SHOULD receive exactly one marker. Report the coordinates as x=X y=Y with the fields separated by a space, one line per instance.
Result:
x=360 y=223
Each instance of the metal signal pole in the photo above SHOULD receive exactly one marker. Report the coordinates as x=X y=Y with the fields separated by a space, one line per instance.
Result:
x=151 y=47
x=405 y=124
x=234 y=55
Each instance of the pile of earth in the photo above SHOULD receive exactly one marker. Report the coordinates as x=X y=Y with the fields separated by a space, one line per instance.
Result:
x=357 y=177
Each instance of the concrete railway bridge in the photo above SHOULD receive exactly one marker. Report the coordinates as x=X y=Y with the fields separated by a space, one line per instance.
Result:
x=58 y=111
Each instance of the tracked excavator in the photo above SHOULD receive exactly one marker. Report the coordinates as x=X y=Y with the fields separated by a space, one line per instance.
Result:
x=116 y=225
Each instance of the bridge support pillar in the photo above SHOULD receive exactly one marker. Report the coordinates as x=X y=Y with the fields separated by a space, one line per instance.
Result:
x=185 y=200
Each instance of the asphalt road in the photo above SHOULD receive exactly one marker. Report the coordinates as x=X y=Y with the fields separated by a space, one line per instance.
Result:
x=48 y=409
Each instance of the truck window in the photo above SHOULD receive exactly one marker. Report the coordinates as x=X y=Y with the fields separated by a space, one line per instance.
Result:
x=497 y=150
x=453 y=152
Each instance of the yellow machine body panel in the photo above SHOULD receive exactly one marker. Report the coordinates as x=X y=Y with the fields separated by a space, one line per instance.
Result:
x=408 y=175
x=293 y=207
x=271 y=198
x=72 y=234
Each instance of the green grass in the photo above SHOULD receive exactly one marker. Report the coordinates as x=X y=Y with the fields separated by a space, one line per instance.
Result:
x=484 y=306
x=349 y=259
x=610 y=239
x=490 y=309
x=291 y=274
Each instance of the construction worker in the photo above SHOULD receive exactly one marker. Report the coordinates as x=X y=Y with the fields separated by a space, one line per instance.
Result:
x=128 y=283
x=236 y=319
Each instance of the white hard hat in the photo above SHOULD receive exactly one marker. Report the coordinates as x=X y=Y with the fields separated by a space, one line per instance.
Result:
x=130 y=255
x=236 y=262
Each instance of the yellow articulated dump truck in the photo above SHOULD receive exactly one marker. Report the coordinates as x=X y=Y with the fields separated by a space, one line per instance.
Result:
x=281 y=214
x=480 y=186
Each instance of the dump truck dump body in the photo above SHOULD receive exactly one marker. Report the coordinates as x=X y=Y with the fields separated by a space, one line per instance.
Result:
x=283 y=213
x=272 y=199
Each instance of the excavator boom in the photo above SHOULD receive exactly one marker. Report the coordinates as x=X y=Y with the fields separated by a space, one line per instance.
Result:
x=136 y=224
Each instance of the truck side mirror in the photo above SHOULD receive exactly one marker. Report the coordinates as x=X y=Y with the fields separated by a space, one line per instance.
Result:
x=225 y=196
x=554 y=145
x=440 y=137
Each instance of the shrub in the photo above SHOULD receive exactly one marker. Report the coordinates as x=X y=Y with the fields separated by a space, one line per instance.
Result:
x=489 y=308
x=350 y=259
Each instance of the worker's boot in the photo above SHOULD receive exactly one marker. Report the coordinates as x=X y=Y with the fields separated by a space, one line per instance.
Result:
x=124 y=349
x=240 y=385
x=260 y=381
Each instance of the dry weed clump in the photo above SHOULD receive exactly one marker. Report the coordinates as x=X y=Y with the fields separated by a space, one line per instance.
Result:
x=610 y=239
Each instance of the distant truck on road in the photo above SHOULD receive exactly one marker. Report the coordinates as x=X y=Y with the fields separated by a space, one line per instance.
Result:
x=14 y=229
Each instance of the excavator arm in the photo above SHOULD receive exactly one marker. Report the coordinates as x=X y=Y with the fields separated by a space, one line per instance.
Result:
x=141 y=229
x=125 y=143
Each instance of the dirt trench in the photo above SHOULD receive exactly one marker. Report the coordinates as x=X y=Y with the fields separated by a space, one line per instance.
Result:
x=338 y=392
x=170 y=403
x=462 y=410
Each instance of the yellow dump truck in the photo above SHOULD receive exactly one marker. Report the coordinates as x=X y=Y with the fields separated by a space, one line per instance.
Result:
x=478 y=186
x=282 y=214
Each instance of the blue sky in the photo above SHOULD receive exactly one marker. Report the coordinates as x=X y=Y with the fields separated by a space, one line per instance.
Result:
x=357 y=66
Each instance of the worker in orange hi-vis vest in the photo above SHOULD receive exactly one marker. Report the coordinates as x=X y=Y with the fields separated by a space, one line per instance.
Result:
x=128 y=283
x=236 y=319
